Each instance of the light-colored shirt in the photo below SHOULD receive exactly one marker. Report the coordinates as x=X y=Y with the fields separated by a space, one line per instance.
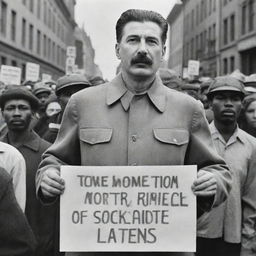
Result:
x=13 y=162
x=235 y=219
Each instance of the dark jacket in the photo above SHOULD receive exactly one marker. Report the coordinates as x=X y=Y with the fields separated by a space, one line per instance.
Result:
x=42 y=219
x=16 y=236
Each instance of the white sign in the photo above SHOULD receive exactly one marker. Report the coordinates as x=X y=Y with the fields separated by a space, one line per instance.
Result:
x=193 y=67
x=10 y=75
x=32 y=72
x=46 y=77
x=185 y=73
x=128 y=208
x=71 y=51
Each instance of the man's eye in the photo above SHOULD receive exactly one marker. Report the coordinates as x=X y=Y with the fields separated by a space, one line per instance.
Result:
x=131 y=40
x=152 y=41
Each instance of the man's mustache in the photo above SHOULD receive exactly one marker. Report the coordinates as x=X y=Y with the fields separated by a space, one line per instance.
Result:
x=141 y=59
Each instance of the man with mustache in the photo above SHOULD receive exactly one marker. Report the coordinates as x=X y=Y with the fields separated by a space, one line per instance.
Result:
x=18 y=105
x=222 y=231
x=136 y=120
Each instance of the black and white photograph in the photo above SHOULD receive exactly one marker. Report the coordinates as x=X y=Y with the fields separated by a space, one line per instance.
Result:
x=127 y=128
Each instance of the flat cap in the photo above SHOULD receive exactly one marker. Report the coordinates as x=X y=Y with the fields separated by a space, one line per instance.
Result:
x=40 y=87
x=226 y=83
x=71 y=80
x=14 y=92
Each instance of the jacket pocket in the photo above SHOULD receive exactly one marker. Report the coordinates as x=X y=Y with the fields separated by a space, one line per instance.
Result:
x=171 y=136
x=94 y=136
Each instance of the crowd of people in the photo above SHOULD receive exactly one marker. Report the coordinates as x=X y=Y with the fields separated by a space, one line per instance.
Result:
x=208 y=122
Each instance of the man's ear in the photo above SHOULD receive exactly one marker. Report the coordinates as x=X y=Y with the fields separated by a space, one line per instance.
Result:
x=163 y=52
x=117 y=48
x=210 y=103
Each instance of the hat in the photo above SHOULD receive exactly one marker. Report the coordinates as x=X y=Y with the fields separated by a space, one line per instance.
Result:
x=71 y=80
x=40 y=87
x=226 y=83
x=170 y=78
x=238 y=75
x=18 y=92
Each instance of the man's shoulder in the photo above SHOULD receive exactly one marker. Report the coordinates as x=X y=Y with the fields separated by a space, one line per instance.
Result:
x=10 y=150
x=182 y=99
x=5 y=178
x=247 y=138
x=95 y=91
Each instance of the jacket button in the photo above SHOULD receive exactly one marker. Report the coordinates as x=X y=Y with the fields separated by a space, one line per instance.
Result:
x=134 y=138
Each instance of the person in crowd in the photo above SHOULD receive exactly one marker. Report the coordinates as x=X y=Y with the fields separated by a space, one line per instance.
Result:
x=222 y=231
x=170 y=78
x=135 y=115
x=247 y=119
x=53 y=106
x=18 y=106
x=13 y=162
x=66 y=86
x=42 y=92
x=16 y=236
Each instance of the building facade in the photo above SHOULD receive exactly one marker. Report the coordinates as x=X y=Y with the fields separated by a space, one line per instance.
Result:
x=221 y=34
x=36 y=31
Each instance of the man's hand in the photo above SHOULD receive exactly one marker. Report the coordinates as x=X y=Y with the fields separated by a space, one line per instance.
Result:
x=205 y=184
x=52 y=184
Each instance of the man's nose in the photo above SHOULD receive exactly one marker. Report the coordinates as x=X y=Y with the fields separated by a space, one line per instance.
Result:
x=228 y=102
x=17 y=112
x=254 y=114
x=142 y=47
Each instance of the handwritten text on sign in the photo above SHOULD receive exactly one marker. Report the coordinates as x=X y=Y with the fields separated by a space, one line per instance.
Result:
x=121 y=208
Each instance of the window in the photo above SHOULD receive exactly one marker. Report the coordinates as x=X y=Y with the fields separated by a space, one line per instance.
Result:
x=3 y=17
x=45 y=12
x=232 y=63
x=210 y=7
x=31 y=5
x=214 y=6
x=225 y=2
x=251 y=15
x=49 y=48
x=243 y=19
x=31 y=31
x=53 y=22
x=3 y=60
x=225 y=66
x=14 y=63
x=49 y=17
x=225 y=31
x=13 y=25
x=38 y=9
x=23 y=34
x=24 y=2
x=45 y=46
x=23 y=71
x=38 y=48
x=192 y=19
x=192 y=48
x=197 y=14
x=232 y=27
x=202 y=10
x=53 y=52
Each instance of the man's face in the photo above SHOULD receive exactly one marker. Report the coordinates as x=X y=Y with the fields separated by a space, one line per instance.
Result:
x=226 y=106
x=43 y=97
x=141 y=49
x=17 y=114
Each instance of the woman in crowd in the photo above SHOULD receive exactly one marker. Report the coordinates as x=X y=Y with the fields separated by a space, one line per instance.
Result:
x=248 y=115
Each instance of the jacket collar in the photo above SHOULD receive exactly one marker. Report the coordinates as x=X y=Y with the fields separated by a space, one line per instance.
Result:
x=117 y=91
x=238 y=134
x=32 y=142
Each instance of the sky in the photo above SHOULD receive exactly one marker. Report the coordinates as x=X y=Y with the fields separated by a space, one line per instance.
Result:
x=98 y=17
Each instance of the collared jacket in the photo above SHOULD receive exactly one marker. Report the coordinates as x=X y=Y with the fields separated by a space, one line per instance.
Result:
x=41 y=218
x=235 y=219
x=13 y=162
x=108 y=125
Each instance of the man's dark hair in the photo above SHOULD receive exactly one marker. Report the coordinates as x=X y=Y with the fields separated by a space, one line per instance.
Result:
x=140 y=16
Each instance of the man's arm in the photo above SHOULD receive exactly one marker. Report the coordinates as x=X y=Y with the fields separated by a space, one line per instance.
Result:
x=249 y=210
x=65 y=150
x=201 y=152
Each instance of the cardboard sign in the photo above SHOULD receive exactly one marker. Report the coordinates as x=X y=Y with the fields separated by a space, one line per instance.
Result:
x=32 y=72
x=193 y=67
x=71 y=51
x=46 y=77
x=128 y=208
x=10 y=75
